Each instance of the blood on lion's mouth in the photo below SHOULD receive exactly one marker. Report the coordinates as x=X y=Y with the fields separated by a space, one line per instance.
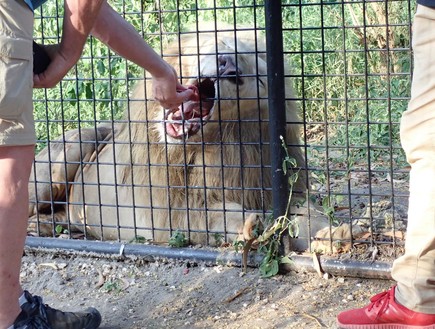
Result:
x=190 y=116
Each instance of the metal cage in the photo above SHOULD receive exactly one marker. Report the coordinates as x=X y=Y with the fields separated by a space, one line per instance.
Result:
x=344 y=66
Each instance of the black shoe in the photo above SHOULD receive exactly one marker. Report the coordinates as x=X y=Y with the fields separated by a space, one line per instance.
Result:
x=36 y=315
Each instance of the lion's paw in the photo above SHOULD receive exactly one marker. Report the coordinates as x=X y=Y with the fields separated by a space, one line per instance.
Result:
x=335 y=239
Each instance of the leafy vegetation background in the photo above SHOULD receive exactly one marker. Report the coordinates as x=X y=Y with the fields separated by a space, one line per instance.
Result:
x=351 y=69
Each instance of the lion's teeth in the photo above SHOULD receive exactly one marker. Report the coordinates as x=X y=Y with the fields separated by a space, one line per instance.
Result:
x=187 y=126
x=179 y=130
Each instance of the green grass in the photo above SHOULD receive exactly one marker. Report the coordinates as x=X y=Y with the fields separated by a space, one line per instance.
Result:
x=349 y=84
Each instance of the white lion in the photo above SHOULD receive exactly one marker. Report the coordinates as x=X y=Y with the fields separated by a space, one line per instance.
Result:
x=203 y=168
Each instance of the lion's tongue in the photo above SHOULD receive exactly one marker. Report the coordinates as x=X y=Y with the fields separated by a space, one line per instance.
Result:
x=183 y=121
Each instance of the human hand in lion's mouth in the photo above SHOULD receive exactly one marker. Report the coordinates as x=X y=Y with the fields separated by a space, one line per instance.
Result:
x=192 y=114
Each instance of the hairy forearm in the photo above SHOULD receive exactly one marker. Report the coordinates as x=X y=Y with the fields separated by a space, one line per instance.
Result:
x=121 y=37
x=79 y=18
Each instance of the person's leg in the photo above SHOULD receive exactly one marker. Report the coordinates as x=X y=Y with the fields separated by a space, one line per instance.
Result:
x=18 y=309
x=411 y=304
x=16 y=127
x=15 y=165
x=415 y=271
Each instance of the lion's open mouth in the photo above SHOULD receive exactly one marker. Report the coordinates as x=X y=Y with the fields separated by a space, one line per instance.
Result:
x=190 y=116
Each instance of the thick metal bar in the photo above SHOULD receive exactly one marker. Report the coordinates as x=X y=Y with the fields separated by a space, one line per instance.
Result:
x=147 y=251
x=349 y=267
x=276 y=92
x=336 y=267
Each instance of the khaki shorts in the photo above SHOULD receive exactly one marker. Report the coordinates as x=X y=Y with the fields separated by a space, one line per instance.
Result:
x=17 y=126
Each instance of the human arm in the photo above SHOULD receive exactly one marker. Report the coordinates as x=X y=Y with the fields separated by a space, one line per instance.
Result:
x=121 y=37
x=79 y=18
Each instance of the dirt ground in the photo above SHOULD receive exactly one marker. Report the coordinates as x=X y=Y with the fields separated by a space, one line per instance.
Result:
x=135 y=293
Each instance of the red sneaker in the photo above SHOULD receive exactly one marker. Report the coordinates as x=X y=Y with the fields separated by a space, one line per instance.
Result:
x=384 y=313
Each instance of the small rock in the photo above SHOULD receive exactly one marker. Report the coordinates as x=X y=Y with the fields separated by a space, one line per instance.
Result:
x=61 y=266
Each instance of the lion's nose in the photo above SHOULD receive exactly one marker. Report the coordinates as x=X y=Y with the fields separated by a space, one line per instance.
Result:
x=228 y=69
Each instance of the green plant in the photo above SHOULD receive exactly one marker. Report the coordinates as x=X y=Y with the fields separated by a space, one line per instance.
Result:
x=218 y=238
x=328 y=204
x=178 y=240
x=347 y=87
x=138 y=239
x=270 y=239
x=113 y=286
x=239 y=245
x=60 y=229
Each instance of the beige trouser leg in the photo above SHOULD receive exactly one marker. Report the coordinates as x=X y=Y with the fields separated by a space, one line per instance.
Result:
x=415 y=271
